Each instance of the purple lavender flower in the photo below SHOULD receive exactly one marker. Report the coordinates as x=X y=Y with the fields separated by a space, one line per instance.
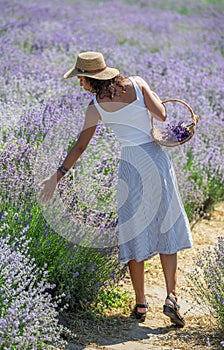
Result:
x=208 y=280
x=179 y=132
x=28 y=315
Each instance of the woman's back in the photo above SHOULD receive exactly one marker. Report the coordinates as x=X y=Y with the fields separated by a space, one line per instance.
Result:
x=126 y=114
x=120 y=99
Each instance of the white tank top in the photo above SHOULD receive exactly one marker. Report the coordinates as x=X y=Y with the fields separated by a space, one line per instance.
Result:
x=130 y=124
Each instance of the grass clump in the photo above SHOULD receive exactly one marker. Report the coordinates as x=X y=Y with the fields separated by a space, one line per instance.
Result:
x=112 y=299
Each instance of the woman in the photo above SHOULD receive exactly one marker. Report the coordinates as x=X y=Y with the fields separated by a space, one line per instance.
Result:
x=151 y=217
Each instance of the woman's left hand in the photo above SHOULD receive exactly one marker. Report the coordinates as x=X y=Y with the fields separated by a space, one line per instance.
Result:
x=50 y=184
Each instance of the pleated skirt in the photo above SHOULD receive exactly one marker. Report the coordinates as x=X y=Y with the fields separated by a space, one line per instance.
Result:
x=151 y=215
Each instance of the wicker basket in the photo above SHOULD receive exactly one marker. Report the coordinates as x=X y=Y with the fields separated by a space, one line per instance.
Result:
x=164 y=138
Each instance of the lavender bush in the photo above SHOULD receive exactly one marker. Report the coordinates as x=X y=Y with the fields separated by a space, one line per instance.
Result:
x=76 y=272
x=28 y=314
x=208 y=280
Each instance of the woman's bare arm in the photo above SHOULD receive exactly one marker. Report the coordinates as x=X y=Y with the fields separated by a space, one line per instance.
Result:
x=151 y=100
x=50 y=183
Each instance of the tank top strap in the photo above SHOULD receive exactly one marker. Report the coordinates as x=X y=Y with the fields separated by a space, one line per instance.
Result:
x=139 y=94
x=95 y=100
x=97 y=105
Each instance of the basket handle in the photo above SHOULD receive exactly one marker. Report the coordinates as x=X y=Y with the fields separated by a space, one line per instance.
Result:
x=194 y=116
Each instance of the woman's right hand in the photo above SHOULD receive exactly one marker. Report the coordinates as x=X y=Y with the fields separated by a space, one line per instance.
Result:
x=50 y=184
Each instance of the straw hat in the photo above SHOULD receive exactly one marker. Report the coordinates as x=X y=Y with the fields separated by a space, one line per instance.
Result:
x=91 y=64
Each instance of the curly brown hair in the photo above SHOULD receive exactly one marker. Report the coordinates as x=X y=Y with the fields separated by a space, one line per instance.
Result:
x=106 y=88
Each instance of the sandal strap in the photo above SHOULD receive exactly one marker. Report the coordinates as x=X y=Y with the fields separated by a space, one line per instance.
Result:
x=175 y=305
x=142 y=305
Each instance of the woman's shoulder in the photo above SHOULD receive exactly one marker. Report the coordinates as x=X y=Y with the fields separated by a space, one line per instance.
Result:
x=140 y=81
x=92 y=111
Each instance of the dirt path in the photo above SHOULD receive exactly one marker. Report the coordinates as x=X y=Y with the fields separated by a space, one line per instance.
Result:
x=117 y=332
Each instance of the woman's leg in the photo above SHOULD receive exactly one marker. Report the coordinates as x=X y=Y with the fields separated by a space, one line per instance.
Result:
x=137 y=277
x=169 y=265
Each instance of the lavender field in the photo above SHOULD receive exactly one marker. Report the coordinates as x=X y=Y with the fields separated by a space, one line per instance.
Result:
x=177 y=48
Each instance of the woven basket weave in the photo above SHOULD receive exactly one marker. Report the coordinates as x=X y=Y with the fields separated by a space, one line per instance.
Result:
x=164 y=139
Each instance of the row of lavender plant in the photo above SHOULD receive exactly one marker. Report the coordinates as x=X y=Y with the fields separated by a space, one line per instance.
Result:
x=78 y=272
x=28 y=313
x=208 y=281
x=179 y=55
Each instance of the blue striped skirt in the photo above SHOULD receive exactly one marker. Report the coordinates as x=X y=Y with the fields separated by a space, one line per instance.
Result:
x=151 y=216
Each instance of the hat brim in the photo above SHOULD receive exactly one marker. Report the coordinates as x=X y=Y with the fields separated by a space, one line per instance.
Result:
x=106 y=74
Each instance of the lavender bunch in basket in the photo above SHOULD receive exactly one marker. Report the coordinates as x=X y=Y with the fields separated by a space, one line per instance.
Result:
x=179 y=132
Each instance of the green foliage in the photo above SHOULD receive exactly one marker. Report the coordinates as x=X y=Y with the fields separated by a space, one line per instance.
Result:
x=215 y=1
x=78 y=272
x=215 y=190
x=182 y=10
x=112 y=299
x=1 y=297
x=70 y=145
x=190 y=210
